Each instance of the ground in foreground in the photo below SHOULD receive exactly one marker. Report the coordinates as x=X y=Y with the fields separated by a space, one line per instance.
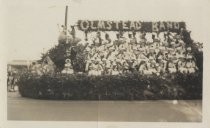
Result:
x=20 y=108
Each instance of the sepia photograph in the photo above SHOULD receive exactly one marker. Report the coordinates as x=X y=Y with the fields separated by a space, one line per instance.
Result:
x=105 y=61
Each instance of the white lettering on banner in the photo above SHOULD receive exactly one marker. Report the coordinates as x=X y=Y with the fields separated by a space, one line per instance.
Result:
x=138 y=25
x=109 y=25
x=117 y=24
x=101 y=25
x=92 y=25
x=132 y=25
x=124 y=25
x=155 y=26
x=129 y=26
x=176 y=25
x=83 y=27
x=162 y=26
x=169 y=25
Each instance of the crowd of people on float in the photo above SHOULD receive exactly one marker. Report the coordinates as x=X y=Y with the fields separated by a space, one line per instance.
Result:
x=143 y=52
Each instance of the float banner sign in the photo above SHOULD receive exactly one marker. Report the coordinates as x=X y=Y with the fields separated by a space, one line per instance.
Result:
x=86 y=25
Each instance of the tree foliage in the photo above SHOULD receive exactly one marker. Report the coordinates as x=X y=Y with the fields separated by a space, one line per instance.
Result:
x=58 y=55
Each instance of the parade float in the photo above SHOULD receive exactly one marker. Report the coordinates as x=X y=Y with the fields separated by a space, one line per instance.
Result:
x=66 y=70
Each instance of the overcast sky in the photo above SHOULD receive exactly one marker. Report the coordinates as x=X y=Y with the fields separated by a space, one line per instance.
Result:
x=31 y=25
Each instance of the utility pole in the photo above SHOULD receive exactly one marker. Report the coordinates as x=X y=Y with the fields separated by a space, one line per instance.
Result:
x=68 y=51
x=66 y=17
x=65 y=24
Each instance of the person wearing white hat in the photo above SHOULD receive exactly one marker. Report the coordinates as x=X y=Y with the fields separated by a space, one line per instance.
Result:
x=131 y=41
x=150 y=66
x=138 y=58
x=125 y=67
x=180 y=55
x=173 y=44
x=88 y=62
x=132 y=56
x=124 y=45
x=98 y=40
x=121 y=57
x=117 y=42
x=127 y=56
x=103 y=65
x=143 y=57
x=181 y=42
x=113 y=54
x=189 y=49
x=130 y=36
x=114 y=69
x=142 y=39
x=165 y=43
x=134 y=39
x=191 y=66
x=98 y=68
x=200 y=46
x=182 y=65
x=68 y=67
x=135 y=64
x=158 y=69
x=179 y=49
x=175 y=58
x=170 y=55
x=91 y=70
x=162 y=66
x=108 y=67
x=118 y=57
x=152 y=48
x=142 y=67
x=101 y=48
x=171 y=67
x=120 y=67
x=146 y=49
x=102 y=53
x=189 y=56
x=107 y=39
x=146 y=70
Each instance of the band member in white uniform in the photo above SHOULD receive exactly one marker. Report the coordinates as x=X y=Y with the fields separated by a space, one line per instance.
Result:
x=68 y=67
x=182 y=65
x=191 y=67
x=171 y=66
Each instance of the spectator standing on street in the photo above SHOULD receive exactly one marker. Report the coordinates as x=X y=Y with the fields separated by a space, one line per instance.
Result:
x=10 y=82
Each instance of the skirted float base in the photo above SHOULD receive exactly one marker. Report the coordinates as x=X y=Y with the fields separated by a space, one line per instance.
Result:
x=121 y=87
